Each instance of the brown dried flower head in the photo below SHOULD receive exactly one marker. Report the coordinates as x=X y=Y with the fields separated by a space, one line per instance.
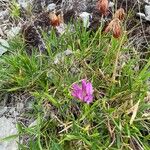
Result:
x=115 y=27
x=109 y=27
x=102 y=6
x=120 y=14
x=55 y=20
x=116 y=30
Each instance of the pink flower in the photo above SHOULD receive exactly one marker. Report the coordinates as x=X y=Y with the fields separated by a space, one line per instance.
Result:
x=84 y=92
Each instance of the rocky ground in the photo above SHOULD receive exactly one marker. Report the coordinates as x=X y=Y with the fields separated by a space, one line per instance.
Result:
x=14 y=107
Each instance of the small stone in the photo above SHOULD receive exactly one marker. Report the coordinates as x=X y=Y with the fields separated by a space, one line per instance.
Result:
x=147 y=10
x=111 y=4
x=58 y=58
x=3 y=110
x=24 y=3
x=12 y=110
x=147 y=2
x=147 y=18
x=61 y=56
x=4 y=43
x=20 y=106
x=68 y=52
x=15 y=114
x=13 y=32
x=74 y=70
x=85 y=17
x=61 y=29
x=141 y=15
x=51 y=7
x=4 y=14
x=3 y=46
x=7 y=128
x=29 y=105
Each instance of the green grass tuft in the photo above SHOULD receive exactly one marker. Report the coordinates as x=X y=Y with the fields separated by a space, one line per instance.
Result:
x=116 y=120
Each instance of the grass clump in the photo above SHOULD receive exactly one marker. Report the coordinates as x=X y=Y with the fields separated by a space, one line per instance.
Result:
x=14 y=10
x=117 y=117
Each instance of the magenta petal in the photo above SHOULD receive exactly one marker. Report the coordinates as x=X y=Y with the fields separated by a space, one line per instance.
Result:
x=84 y=93
x=83 y=85
x=74 y=94
x=80 y=96
x=89 y=88
x=77 y=95
x=76 y=87
x=77 y=91
x=88 y=99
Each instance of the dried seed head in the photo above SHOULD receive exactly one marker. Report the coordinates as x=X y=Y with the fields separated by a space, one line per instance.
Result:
x=55 y=20
x=115 y=27
x=116 y=30
x=102 y=6
x=109 y=27
x=120 y=14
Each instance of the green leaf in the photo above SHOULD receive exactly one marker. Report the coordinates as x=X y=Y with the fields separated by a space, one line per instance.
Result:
x=8 y=138
x=51 y=99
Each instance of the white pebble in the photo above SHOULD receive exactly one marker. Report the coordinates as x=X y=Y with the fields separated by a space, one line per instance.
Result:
x=13 y=32
x=141 y=15
x=147 y=10
x=85 y=18
x=111 y=4
x=51 y=7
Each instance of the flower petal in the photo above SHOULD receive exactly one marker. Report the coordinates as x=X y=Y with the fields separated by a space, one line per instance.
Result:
x=88 y=99
x=76 y=87
x=74 y=94
x=84 y=85
x=89 y=88
x=83 y=93
x=77 y=91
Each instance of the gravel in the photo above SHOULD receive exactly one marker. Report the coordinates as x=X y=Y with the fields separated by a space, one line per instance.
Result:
x=7 y=128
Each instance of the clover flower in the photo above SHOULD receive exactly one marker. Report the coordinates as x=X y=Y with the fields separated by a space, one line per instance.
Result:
x=83 y=92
